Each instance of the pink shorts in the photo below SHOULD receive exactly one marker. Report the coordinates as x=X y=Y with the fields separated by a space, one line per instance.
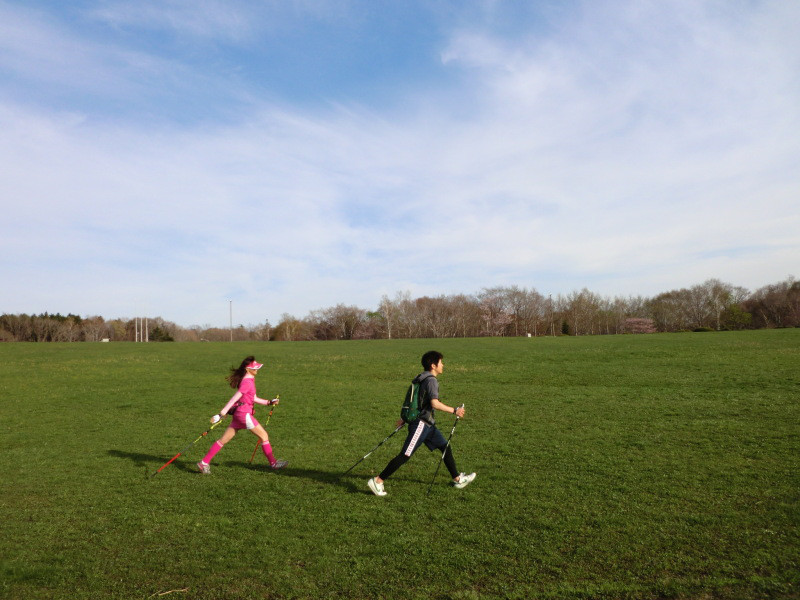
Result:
x=244 y=421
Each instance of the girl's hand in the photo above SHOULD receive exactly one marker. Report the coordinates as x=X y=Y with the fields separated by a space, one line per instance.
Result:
x=274 y=401
x=215 y=419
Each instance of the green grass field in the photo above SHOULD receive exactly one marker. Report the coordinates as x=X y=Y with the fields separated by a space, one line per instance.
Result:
x=658 y=466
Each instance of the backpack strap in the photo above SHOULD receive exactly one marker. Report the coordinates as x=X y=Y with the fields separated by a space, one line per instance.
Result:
x=424 y=402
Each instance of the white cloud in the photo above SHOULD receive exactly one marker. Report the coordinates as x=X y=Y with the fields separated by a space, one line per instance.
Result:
x=638 y=148
x=229 y=21
x=232 y=21
x=657 y=118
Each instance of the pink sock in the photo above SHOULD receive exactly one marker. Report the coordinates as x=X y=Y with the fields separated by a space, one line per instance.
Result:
x=265 y=446
x=215 y=447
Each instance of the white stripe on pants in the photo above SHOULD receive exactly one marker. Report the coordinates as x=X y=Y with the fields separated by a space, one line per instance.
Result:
x=415 y=439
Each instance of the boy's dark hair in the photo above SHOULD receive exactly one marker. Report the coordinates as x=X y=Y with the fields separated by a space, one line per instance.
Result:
x=431 y=358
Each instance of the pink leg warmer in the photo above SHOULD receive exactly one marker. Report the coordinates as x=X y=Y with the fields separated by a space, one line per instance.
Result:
x=267 y=448
x=215 y=447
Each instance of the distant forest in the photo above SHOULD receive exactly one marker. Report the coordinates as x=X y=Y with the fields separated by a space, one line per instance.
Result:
x=493 y=312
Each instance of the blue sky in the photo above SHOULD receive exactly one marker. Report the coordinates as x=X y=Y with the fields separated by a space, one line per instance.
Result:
x=166 y=157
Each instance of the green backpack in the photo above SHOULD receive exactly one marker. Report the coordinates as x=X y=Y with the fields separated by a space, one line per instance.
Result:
x=410 y=410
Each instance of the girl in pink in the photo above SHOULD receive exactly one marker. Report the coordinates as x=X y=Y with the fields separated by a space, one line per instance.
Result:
x=240 y=407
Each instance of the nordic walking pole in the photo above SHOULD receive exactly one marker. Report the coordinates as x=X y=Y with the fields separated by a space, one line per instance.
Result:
x=269 y=416
x=202 y=435
x=399 y=427
x=452 y=431
x=253 y=455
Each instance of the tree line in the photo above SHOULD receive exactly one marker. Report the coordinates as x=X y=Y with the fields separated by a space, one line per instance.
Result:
x=498 y=311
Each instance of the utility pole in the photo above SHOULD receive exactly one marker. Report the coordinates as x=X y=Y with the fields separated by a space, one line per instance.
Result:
x=230 y=307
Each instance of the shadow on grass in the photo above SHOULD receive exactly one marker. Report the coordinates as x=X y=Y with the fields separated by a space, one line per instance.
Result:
x=152 y=462
x=325 y=477
x=353 y=482
x=358 y=481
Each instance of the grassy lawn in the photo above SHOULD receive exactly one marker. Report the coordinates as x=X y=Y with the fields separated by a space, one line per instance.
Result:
x=658 y=466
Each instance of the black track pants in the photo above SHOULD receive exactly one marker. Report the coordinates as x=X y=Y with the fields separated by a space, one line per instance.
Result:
x=401 y=459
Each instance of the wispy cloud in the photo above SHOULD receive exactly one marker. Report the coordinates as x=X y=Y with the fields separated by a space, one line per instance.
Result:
x=210 y=19
x=227 y=21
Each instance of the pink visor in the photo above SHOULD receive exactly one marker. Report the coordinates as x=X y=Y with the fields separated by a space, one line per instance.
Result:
x=255 y=366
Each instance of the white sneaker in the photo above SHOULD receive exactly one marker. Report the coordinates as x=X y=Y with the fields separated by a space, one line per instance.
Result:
x=377 y=488
x=204 y=468
x=464 y=480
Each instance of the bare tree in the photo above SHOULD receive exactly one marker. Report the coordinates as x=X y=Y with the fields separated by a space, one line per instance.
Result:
x=466 y=316
x=495 y=311
x=287 y=328
x=67 y=330
x=20 y=327
x=388 y=312
x=95 y=329
x=669 y=310
x=581 y=309
x=526 y=308
x=776 y=305
x=344 y=320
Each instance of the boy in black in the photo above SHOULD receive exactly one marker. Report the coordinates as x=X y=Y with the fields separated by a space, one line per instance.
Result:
x=423 y=430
